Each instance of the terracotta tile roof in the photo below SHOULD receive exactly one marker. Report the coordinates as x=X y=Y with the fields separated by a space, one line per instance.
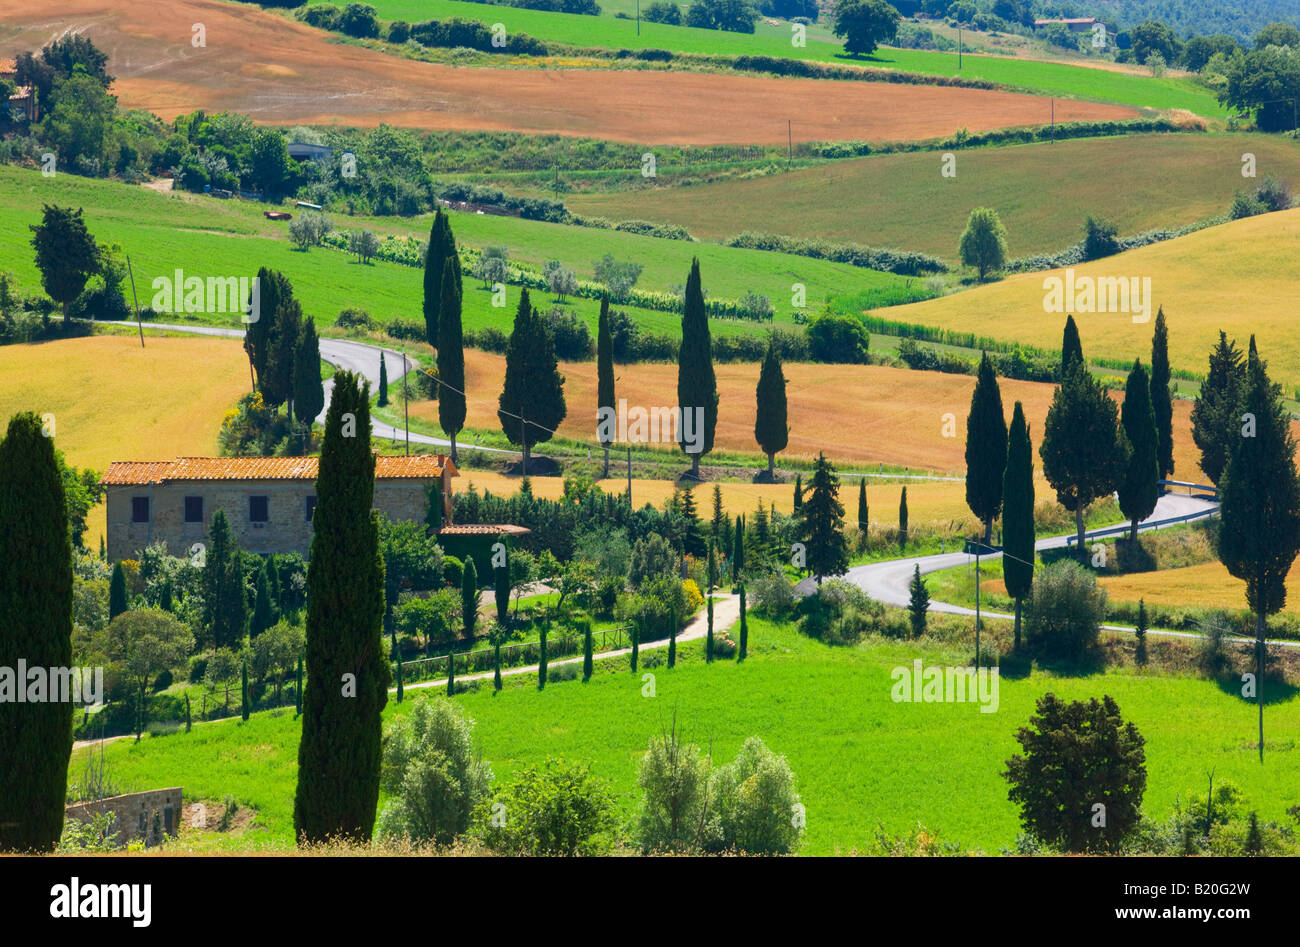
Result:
x=417 y=467
x=484 y=529
x=8 y=66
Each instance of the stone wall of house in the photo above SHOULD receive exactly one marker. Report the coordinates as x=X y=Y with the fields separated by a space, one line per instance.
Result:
x=140 y=815
x=287 y=528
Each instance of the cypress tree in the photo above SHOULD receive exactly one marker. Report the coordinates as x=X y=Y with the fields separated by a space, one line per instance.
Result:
x=188 y=723
x=605 y=400
x=399 y=676
x=117 y=600
x=243 y=689
x=1161 y=403
x=697 y=386
x=718 y=523
x=1071 y=348
x=823 y=523
x=263 y=611
x=451 y=357
x=1138 y=488
x=771 y=430
x=1254 y=844
x=986 y=448
x=738 y=550
x=1018 y=514
x=308 y=389
x=103 y=553
x=918 y=605
x=383 y=382
x=277 y=384
x=451 y=672
x=672 y=638
x=708 y=603
x=297 y=701
x=496 y=666
x=36 y=610
x=469 y=597
x=435 y=262
x=1215 y=421
x=531 y=405
x=339 y=755
x=273 y=288
x=798 y=492
x=1259 y=506
x=501 y=589
x=636 y=643
x=224 y=606
x=743 y=651
x=586 y=650
x=864 y=519
x=541 y=655
x=902 y=519
x=1083 y=450
x=1140 y=655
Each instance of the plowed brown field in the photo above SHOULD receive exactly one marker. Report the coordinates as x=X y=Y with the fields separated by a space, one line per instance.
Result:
x=280 y=71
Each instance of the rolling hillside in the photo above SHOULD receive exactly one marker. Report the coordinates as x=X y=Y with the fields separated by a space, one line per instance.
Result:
x=1041 y=192
x=1240 y=277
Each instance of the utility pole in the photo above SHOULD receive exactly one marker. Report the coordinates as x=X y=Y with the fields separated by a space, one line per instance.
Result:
x=638 y=17
x=406 y=402
x=140 y=325
x=959 y=49
x=1053 y=121
x=978 y=546
x=789 y=144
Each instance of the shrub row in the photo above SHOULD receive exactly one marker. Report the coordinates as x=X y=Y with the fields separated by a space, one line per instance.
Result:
x=906 y=262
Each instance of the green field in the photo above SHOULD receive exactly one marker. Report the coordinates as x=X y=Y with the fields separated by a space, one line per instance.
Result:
x=605 y=31
x=209 y=237
x=1142 y=182
x=860 y=759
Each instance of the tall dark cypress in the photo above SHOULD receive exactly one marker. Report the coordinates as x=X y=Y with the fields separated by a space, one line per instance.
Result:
x=586 y=650
x=243 y=690
x=798 y=492
x=117 y=598
x=542 y=655
x=383 y=381
x=822 y=529
x=36 y=610
x=1071 y=347
x=1259 y=506
x=531 y=405
x=697 y=386
x=297 y=698
x=605 y=402
x=1138 y=487
x=451 y=357
x=771 y=430
x=308 y=389
x=708 y=599
x=738 y=550
x=469 y=597
x=347 y=669
x=986 y=448
x=1215 y=419
x=273 y=288
x=451 y=671
x=864 y=518
x=1162 y=405
x=263 y=610
x=225 y=609
x=902 y=518
x=743 y=651
x=1018 y=514
x=435 y=260
x=277 y=382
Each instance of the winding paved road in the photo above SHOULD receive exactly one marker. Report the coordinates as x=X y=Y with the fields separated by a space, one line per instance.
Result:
x=348 y=355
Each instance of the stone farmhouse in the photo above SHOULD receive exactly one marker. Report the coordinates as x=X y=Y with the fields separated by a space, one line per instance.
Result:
x=269 y=501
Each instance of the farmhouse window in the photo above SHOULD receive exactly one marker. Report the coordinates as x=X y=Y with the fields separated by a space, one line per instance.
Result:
x=258 y=509
x=310 y=507
x=139 y=509
x=194 y=509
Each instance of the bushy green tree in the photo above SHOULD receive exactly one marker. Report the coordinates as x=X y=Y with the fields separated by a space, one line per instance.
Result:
x=864 y=25
x=984 y=242
x=918 y=605
x=432 y=773
x=66 y=253
x=1077 y=756
x=558 y=808
x=756 y=803
x=1066 y=609
x=675 y=813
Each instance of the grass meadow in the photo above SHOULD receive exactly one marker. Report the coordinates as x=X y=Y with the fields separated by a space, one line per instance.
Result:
x=861 y=760
x=209 y=237
x=1048 y=78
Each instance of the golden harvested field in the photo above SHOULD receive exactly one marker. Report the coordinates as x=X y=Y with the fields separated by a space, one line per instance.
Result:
x=112 y=400
x=1208 y=585
x=930 y=504
x=863 y=414
x=1242 y=277
x=280 y=71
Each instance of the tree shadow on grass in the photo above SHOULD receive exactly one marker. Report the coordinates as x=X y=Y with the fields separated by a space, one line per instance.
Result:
x=1275 y=691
